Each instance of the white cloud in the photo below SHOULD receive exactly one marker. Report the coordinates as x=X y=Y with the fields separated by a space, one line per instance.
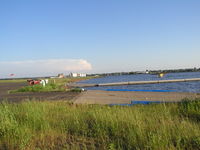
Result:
x=43 y=67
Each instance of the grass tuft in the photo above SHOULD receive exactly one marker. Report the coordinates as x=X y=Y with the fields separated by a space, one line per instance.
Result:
x=190 y=109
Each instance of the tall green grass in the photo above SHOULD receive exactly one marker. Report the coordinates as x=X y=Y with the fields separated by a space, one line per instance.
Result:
x=190 y=110
x=61 y=125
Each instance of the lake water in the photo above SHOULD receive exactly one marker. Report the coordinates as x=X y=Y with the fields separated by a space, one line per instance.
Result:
x=173 y=87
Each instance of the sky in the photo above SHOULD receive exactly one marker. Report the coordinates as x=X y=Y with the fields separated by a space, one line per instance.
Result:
x=47 y=37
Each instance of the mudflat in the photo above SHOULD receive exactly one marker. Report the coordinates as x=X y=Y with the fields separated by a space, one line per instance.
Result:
x=110 y=97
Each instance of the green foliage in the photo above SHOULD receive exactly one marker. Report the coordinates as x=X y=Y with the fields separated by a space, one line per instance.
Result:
x=8 y=123
x=76 y=90
x=53 y=85
x=12 y=81
x=56 y=84
x=191 y=109
x=39 y=88
x=61 y=125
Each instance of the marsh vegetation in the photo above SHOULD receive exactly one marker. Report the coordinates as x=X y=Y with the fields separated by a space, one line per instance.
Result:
x=63 y=125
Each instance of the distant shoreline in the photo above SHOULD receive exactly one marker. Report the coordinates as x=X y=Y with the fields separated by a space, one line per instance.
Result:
x=149 y=72
x=120 y=73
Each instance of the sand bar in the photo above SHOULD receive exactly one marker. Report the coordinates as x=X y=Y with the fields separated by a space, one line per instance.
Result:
x=118 y=97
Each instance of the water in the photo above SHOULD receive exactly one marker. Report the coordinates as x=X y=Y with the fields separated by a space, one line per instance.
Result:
x=193 y=87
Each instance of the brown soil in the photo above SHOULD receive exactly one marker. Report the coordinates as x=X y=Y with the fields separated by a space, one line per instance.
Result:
x=14 y=97
x=110 y=97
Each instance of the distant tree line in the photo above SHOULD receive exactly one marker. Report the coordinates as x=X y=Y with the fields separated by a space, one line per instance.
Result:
x=175 y=70
x=148 y=72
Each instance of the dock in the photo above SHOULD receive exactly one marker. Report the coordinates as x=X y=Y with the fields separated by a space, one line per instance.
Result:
x=133 y=83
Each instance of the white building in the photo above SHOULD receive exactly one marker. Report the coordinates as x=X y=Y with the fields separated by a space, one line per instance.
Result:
x=61 y=75
x=77 y=75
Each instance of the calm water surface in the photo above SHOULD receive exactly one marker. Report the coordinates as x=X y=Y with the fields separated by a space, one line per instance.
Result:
x=175 y=87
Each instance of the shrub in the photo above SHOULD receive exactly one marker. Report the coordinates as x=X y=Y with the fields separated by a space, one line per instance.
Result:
x=76 y=90
x=39 y=88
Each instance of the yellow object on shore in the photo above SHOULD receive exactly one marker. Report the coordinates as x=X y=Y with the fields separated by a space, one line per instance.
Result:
x=160 y=75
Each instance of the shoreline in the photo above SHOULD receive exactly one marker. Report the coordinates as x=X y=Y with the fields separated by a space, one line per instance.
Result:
x=93 y=96
x=121 y=97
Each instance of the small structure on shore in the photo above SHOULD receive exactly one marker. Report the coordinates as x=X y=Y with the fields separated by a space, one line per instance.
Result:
x=38 y=81
x=77 y=75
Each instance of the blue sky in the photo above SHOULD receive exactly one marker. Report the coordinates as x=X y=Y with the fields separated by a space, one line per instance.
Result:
x=98 y=35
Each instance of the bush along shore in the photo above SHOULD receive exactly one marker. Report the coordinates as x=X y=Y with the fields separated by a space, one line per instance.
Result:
x=62 y=125
x=58 y=85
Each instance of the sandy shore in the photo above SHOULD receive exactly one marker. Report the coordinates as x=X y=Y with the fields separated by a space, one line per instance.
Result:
x=110 y=97
x=91 y=96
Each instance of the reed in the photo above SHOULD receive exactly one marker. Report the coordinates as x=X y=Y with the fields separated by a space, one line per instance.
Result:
x=63 y=125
